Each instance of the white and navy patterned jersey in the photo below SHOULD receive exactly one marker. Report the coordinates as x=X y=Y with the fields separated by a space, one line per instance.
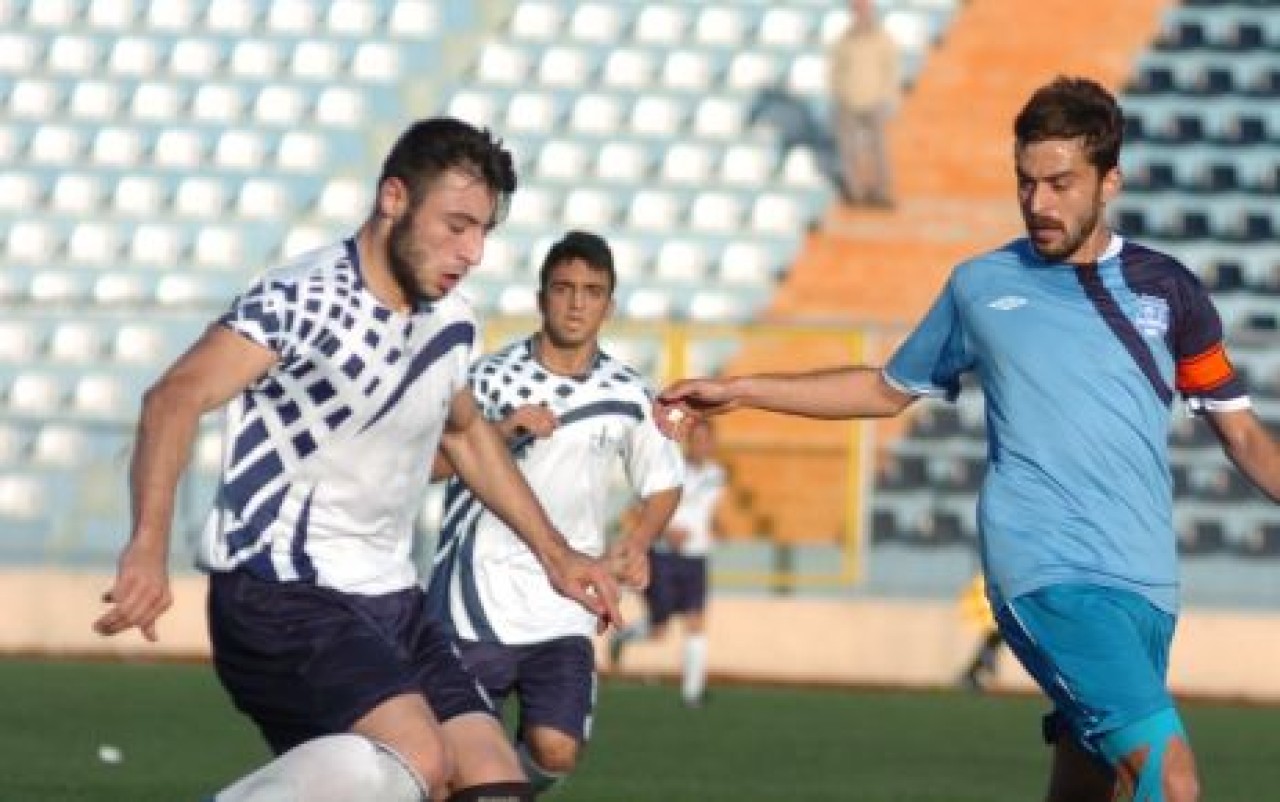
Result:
x=486 y=584
x=703 y=485
x=327 y=456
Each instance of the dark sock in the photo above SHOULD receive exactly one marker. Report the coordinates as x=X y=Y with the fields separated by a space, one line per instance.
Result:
x=495 y=792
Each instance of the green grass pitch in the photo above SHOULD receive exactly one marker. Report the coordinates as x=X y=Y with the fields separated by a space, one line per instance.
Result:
x=181 y=740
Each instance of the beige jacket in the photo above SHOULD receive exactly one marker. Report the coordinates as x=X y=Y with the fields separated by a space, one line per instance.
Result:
x=864 y=68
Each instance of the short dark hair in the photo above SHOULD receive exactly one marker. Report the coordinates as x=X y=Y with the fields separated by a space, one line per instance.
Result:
x=590 y=248
x=1067 y=108
x=431 y=147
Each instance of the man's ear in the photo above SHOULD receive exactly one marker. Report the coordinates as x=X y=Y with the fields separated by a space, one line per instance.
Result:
x=393 y=198
x=1112 y=183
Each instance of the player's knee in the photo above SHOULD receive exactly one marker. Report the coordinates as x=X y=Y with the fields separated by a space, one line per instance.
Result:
x=434 y=767
x=558 y=756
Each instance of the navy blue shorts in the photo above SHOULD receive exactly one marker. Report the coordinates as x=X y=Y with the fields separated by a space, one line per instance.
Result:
x=677 y=585
x=554 y=682
x=304 y=661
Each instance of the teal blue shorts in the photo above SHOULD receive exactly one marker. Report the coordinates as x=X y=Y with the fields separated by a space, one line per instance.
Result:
x=1101 y=654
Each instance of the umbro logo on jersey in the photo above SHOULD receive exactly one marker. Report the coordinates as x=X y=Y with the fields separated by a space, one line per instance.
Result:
x=1008 y=302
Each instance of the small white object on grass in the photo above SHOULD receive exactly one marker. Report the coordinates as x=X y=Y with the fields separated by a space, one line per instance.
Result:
x=109 y=754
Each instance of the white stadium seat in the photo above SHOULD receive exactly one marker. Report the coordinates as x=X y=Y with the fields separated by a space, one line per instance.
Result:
x=746 y=164
x=661 y=24
x=719 y=118
x=716 y=212
x=263 y=199
x=194 y=58
x=302 y=239
x=171 y=15
x=22 y=497
x=217 y=103
x=647 y=303
x=588 y=208
x=302 y=151
x=562 y=159
x=230 y=16
x=687 y=69
x=656 y=115
x=622 y=161
x=199 y=196
x=502 y=65
x=75 y=341
x=113 y=15
x=18 y=341
x=686 y=163
x=808 y=75
x=156 y=244
x=477 y=108
x=155 y=101
x=531 y=206
x=681 y=261
x=352 y=17
x=254 y=58
x=138 y=343
x=343 y=199
x=279 y=104
x=34 y=392
x=295 y=17
x=596 y=22
x=76 y=193
x=531 y=111
x=60 y=445
x=339 y=106
x=117 y=147
x=34 y=98
x=784 y=27
x=219 y=247
x=315 y=59
x=535 y=21
x=18 y=192
x=776 y=214
x=133 y=55
x=653 y=210
x=94 y=243
x=720 y=25
x=376 y=62
x=119 y=288
x=563 y=66
x=57 y=14
x=239 y=149
x=745 y=263
x=56 y=144
x=72 y=55
x=178 y=148
x=596 y=114
x=749 y=71
x=31 y=241
x=98 y=395
x=413 y=19
x=628 y=68
x=94 y=100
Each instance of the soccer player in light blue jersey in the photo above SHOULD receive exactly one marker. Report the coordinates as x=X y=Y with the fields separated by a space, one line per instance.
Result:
x=572 y=416
x=344 y=371
x=1080 y=340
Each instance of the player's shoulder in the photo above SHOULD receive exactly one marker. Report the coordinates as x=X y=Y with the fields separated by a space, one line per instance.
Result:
x=1011 y=255
x=314 y=266
x=621 y=376
x=1144 y=264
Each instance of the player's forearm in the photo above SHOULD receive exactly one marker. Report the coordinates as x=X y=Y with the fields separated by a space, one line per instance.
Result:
x=166 y=429
x=1257 y=455
x=653 y=516
x=831 y=394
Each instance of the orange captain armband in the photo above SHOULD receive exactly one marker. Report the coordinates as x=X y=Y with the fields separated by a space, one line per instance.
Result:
x=1205 y=371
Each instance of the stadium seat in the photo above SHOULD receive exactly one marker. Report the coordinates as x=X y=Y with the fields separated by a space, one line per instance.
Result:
x=376 y=62
x=656 y=115
x=750 y=71
x=686 y=163
x=715 y=211
x=31 y=241
x=34 y=98
x=138 y=343
x=352 y=17
x=137 y=195
x=712 y=306
x=532 y=207
x=653 y=210
x=231 y=16
x=99 y=395
x=72 y=55
x=254 y=59
x=112 y=15
x=76 y=193
x=588 y=208
x=597 y=22
x=34 y=392
x=531 y=112
x=773 y=213
x=784 y=28
x=153 y=100
x=19 y=192
x=22 y=497
x=536 y=21
x=476 y=108
x=661 y=24
x=628 y=68
x=562 y=66
x=339 y=106
x=156 y=244
x=414 y=19
x=94 y=100
x=687 y=70
x=19 y=341
x=681 y=261
x=200 y=197
x=622 y=161
x=219 y=247
x=745 y=263
x=719 y=118
x=648 y=303
x=721 y=25
x=596 y=114
x=94 y=243
x=518 y=299
x=748 y=164
x=59 y=445
x=343 y=199
x=56 y=145
x=502 y=65
x=119 y=289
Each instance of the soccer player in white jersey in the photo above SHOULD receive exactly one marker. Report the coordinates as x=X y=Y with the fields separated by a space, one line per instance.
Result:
x=570 y=414
x=346 y=372
x=1080 y=341
x=678 y=582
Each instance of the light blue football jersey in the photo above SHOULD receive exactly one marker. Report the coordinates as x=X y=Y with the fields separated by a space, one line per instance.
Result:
x=1079 y=366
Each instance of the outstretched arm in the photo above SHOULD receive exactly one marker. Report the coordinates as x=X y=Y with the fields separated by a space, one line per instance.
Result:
x=1248 y=444
x=629 y=554
x=220 y=365
x=477 y=453
x=829 y=394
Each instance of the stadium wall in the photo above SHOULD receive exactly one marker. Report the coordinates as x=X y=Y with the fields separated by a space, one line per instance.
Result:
x=867 y=642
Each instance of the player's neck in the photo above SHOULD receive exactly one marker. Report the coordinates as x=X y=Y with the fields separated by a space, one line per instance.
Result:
x=376 y=272
x=574 y=360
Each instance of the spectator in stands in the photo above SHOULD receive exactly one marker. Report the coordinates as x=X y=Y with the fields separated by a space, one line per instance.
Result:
x=678 y=585
x=344 y=369
x=865 y=82
x=570 y=415
x=1079 y=340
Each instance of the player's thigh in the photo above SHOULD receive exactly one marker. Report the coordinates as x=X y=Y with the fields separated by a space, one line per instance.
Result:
x=557 y=687
x=1099 y=653
x=406 y=725
x=300 y=660
x=1077 y=776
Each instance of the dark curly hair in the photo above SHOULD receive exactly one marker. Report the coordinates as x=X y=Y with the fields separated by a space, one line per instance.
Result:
x=1067 y=108
x=431 y=147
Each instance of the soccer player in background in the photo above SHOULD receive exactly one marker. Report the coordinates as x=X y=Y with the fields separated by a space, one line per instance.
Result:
x=678 y=566
x=345 y=370
x=570 y=414
x=1079 y=339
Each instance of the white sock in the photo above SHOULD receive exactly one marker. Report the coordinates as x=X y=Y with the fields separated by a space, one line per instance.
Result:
x=695 y=667
x=334 y=768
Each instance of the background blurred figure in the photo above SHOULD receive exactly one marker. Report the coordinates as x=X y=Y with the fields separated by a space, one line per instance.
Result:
x=976 y=610
x=678 y=587
x=570 y=415
x=864 y=77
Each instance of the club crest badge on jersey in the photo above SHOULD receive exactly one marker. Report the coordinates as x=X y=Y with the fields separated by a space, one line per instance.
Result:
x=1153 y=316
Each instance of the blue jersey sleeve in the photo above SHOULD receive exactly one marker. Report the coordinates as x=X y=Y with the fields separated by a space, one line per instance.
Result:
x=935 y=355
